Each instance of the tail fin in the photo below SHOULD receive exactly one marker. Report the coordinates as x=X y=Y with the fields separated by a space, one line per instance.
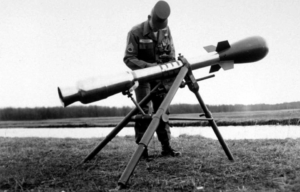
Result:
x=226 y=65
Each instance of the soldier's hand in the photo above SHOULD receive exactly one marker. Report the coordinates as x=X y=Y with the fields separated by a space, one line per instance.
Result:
x=166 y=58
x=151 y=64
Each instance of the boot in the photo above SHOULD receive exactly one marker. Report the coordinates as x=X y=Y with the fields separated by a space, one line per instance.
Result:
x=145 y=154
x=167 y=150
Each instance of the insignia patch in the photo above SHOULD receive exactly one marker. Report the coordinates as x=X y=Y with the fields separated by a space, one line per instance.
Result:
x=130 y=48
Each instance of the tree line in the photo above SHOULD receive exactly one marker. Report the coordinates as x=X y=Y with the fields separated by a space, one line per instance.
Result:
x=195 y=108
x=41 y=113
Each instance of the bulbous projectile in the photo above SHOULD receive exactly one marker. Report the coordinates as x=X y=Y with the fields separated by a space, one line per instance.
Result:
x=248 y=50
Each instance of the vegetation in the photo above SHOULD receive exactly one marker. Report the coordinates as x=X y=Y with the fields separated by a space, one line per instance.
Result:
x=35 y=164
x=49 y=164
x=42 y=113
x=278 y=117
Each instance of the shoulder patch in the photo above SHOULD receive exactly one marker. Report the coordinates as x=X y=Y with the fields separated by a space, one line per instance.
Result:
x=130 y=48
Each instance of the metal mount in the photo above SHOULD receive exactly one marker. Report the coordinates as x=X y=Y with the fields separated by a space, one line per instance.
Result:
x=129 y=94
x=186 y=74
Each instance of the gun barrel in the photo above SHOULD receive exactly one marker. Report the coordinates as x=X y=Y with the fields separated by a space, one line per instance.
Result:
x=223 y=56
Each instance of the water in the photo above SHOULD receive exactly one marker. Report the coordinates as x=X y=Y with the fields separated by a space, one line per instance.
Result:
x=230 y=132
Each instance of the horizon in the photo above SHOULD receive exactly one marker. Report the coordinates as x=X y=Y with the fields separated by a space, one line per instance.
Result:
x=91 y=105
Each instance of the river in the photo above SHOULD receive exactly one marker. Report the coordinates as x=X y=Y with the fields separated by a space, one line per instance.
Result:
x=229 y=132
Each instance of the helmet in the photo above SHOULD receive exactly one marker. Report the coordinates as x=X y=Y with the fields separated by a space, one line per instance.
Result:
x=160 y=14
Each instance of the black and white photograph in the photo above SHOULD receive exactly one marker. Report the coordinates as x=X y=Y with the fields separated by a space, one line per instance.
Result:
x=149 y=95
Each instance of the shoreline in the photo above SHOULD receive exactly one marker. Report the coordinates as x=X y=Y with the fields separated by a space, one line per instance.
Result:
x=76 y=124
x=248 y=118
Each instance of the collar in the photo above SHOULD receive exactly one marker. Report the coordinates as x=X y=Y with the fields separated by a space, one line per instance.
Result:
x=147 y=29
x=148 y=32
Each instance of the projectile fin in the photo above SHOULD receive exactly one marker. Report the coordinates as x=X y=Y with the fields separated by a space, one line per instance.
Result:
x=210 y=48
x=226 y=65
x=214 y=68
x=222 y=45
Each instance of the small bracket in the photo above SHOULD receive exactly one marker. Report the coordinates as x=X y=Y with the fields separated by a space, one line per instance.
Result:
x=183 y=84
x=131 y=89
x=129 y=94
x=184 y=61
x=190 y=79
x=136 y=84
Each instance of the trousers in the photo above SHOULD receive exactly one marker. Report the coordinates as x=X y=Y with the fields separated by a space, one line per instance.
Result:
x=163 y=131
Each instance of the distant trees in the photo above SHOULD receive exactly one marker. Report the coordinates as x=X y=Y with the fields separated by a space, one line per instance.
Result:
x=40 y=113
x=256 y=107
x=195 y=108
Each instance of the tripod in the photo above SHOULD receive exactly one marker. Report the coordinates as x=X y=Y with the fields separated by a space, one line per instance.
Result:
x=185 y=73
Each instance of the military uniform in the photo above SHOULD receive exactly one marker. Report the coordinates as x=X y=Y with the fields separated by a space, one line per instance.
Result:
x=144 y=48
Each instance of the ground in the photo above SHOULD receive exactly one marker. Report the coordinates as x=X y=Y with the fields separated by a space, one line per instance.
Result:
x=48 y=164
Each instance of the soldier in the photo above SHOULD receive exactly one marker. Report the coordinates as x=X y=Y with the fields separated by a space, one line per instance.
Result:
x=150 y=44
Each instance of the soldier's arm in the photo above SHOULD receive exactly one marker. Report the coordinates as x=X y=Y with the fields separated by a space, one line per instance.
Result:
x=131 y=53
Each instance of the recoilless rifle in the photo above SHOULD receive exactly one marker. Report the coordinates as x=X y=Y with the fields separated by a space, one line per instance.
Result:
x=223 y=56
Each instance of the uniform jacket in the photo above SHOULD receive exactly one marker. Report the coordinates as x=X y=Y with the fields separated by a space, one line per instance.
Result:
x=143 y=47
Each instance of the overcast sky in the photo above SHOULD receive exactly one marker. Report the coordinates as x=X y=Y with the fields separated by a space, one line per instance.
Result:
x=49 y=43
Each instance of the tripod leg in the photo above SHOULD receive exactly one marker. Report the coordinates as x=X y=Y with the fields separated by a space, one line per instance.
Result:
x=119 y=127
x=214 y=126
x=110 y=136
x=194 y=87
x=151 y=128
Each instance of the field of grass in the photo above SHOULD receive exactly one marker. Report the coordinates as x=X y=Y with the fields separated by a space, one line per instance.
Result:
x=36 y=164
x=282 y=117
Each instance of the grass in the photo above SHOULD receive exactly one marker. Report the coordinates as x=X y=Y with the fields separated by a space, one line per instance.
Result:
x=282 y=117
x=36 y=164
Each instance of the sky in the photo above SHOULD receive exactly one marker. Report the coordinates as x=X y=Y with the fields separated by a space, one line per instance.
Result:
x=48 y=44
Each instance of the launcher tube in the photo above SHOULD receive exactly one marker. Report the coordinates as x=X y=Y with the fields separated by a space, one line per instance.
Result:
x=224 y=55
